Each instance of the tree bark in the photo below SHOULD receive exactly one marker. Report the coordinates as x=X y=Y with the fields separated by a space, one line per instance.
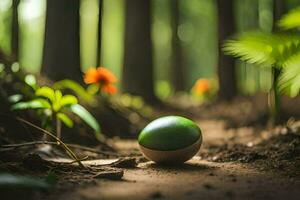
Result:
x=138 y=65
x=274 y=94
x=99 y=32
x=177 y=69
x=61 y=50
x=226 y=64
x=15 y=31
x=278 y=11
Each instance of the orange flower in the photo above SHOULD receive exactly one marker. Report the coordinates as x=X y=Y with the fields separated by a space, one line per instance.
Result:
x=103 y=77
x=201 y=86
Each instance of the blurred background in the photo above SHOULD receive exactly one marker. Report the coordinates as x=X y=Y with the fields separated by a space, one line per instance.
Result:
x=181 y=31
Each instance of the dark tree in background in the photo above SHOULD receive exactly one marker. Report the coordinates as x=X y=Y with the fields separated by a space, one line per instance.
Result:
x=15 y=30
x=9 y=59
x=177 y=68
x=279 y=8
x=274 y=98
x=61 y=51
x=226 y=64
x=138 y=65
x=99 y=32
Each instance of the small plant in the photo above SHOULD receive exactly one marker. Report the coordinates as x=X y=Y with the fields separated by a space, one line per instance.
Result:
x=280 y=51
x=54 y=107
x=76 y=88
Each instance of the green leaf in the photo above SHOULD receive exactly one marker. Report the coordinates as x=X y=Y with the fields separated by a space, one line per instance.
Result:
x=58 y=95
x=65 y=119
x=290 y=20
x=75 y=87
x=93 y=89
x=254 y=48
x=46 y=92
x=57 y=98
x=31 y=81
x=15 y=98
x=33 y=104
x=289 y=81
x=68 y=100
x=264 y=48
x=17 y=181
x=87 y=118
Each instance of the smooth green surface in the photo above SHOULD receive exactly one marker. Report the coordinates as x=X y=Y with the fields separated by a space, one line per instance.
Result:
x=169 y=133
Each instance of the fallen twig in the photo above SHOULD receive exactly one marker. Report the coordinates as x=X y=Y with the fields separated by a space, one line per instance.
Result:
x=58 y=141
x=114 y=174
x=76 y=146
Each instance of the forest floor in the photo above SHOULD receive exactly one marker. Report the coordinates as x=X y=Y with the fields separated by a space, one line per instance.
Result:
x=247 y=176
x=239 y=159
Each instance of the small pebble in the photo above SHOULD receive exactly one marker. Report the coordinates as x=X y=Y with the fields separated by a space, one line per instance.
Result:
x=207 y=186
x=156 y=195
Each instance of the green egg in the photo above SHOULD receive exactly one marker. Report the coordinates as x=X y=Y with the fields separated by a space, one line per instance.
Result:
x=170 y=139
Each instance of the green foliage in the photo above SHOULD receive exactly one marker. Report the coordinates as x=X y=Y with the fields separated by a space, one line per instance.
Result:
x=86 y=117
x=33 y=104
x=290 y=78
x=281 y=50
x=15 y=98
x=31 y=81
x=75 y=87
x=56 y=106
x=290 y=20
x=17 y=181
x=55 y=98
x=264 y=48
x=65 y=119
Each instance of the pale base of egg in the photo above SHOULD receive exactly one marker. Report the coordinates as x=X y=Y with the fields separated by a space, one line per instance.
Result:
x=175 y=156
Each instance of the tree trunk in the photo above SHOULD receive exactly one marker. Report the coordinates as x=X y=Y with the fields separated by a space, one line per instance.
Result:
x=274 y=94
x=99 y=32
x=61 y=50
x=226 y=64
x=177 y=69
x=138 y=65
x=15 y=31
x=278 y=11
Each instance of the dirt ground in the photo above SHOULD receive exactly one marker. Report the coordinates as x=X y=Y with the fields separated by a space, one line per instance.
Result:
x=240 y=158
x=203 y=177
x=194 y=180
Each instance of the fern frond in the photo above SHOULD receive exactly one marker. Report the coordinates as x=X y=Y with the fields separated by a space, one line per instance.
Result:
x=264 y=48
x=289 y=48
x=289 y=81
x=254 y=48
x=290 y=20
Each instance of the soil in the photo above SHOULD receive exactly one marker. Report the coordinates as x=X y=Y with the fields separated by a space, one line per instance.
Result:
x=240 y=158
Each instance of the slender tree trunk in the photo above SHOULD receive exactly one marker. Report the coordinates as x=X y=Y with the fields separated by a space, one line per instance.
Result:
x=61 y=50
x=177 y=69
x=15 y=30
x=278 y=11
x=274 y=95
x=226 y=64
x=138 y=65
x=9 y=59
x=99 y=32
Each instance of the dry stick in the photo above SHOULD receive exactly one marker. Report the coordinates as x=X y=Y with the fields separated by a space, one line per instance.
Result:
x=59 y=142
x=76 y=146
